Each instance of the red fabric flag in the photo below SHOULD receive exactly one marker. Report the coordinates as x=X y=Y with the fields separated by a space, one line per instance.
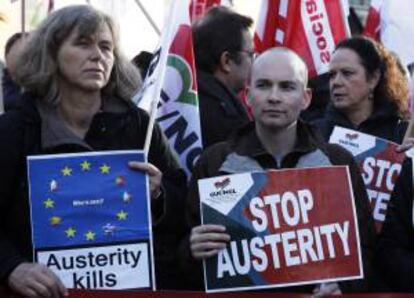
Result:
x=311 y=28
x=372 y=26
x=199 y=7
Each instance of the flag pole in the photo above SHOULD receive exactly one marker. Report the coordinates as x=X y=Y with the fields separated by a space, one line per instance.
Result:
x=147 y=15
x=159 y=83
x=23 y=17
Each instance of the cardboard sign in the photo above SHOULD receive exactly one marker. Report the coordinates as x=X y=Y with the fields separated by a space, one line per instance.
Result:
x=379 y=163
x=288 y=227
x=91 y=222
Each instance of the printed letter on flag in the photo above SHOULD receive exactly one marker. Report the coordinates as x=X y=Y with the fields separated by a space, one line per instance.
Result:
x=171 y=86
x=311 y=28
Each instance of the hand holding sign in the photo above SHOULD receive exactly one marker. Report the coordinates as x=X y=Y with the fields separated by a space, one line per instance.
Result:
x=36 y=280
x=207 y=240
x=326 y=289
x=406 y=145
x=154 y=175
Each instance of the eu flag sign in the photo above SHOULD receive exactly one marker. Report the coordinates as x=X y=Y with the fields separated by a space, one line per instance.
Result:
x=91 y=222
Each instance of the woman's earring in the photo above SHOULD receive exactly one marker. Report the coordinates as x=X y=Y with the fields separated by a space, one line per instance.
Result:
x=371 y=93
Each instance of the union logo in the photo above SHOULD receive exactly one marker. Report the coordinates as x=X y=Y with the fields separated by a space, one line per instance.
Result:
x=352 y=136
x=222 y=184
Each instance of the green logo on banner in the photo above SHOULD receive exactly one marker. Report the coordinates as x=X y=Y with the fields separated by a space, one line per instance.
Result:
x=187 y=95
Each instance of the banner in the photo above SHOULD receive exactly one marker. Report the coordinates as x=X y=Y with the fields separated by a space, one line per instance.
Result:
x=390 y=21
x=171 y=82
x=284 y=229
x=311 y=28
x=379 y=163
x=372 y=25
x=91 y=223
x=199 y=7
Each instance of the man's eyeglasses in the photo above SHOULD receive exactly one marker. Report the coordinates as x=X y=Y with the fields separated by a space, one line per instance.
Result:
x=251 y=54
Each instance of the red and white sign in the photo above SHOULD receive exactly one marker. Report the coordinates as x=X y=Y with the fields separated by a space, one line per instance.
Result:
x=287 y=227
x=311 y=28
x=380 y=166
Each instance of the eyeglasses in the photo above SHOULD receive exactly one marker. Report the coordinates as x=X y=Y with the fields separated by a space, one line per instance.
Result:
x=251 y=54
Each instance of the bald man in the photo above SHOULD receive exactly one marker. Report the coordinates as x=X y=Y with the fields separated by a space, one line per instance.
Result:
x=277 y=139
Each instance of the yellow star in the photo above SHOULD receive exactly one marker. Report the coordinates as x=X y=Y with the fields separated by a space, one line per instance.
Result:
x=105 y=169
x=70 y=233
x=90 y=235
x=66 y=171
x=55 y=220
x=49 y=203
x=122 y=215
x=85 y=165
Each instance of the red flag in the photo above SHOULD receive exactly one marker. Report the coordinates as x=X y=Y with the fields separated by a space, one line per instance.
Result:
x=311 y=28
x=372 y=26
x=392 y=23
x=199 y=7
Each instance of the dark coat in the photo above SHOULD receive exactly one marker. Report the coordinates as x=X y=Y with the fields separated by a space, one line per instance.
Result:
x=246 y=144
x=22 y=133
x=221 y=111
x=395 y=254
x=383 y=123
x=11 y=91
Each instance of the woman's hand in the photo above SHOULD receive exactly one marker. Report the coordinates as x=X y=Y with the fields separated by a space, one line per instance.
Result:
x=207 y=240
x=155 y=176
x=36 y=280
x=406 y=145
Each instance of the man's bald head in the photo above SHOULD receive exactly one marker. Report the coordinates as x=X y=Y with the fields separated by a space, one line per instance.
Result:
x=281 y=57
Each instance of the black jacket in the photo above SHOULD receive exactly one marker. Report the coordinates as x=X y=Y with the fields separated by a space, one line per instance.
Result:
x=11 y=91
x=246 y=144
x=119 y=125
x=383 y=123
x=395 y=254
x=221 y=112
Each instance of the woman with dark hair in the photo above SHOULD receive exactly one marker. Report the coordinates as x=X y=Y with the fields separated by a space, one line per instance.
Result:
x=78 y=90
x=368 y=91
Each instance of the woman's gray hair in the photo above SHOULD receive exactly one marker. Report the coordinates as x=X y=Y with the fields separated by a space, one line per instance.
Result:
x=37 y=69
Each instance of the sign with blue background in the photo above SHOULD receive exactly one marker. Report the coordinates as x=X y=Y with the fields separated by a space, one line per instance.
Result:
x=91 y=209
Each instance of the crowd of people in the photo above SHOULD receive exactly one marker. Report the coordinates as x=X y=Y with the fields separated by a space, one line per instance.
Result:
x=68 y=88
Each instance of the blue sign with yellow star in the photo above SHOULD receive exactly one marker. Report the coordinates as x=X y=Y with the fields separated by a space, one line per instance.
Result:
x=87 y=199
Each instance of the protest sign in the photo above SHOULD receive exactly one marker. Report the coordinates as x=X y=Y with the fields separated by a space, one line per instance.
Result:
x=287 y=227
x=91 y=222
x=380 y=166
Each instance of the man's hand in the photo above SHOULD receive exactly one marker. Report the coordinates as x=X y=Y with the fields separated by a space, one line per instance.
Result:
x=326 y=289
x=155 y=176
x=207 y=240
x=36 y=280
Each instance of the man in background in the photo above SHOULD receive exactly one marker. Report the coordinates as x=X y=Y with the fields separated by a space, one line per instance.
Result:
x=223 y=49
x=10 y=89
